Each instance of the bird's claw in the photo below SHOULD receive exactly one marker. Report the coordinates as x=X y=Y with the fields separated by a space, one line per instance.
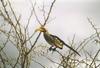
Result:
x=50 y=48
x=54 y=49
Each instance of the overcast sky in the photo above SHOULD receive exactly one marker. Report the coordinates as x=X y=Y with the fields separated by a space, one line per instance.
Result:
x=70 y=16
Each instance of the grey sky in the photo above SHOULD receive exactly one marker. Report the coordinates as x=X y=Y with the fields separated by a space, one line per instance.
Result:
x=70 y=17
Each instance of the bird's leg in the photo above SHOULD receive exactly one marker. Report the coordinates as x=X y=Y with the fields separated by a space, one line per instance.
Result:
x=54 y=49
x=50 y=48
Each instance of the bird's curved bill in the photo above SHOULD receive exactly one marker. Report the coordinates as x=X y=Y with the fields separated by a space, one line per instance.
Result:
x=38 y=29
x=41 y=29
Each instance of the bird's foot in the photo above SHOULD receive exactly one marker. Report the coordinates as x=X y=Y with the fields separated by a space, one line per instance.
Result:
x=54 y=49
x=50 y=48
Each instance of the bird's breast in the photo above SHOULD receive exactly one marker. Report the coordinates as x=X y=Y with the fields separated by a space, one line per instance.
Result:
x=48 y=38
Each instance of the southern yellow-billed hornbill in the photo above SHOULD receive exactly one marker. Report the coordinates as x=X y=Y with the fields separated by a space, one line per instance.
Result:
x=54 y=40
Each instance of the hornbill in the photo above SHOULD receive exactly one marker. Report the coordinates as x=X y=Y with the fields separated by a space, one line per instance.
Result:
x=53 y=40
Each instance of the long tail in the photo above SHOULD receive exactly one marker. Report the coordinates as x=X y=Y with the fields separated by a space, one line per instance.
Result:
x=71 y=49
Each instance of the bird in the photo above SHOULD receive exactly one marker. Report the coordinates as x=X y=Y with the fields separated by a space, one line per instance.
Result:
x=53 y=40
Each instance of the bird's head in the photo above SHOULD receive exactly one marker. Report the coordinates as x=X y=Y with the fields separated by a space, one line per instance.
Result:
x=41 y=29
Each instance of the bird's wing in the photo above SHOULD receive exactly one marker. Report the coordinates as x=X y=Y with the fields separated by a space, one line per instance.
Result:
x=58 y=39
x=57 y=42
x=62 y=42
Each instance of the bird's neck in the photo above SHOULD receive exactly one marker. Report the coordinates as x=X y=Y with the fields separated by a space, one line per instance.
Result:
x=46 y=32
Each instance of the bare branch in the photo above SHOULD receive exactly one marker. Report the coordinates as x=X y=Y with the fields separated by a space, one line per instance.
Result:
x=94 y=58
x=35 y=13
x=39 y=63
x=43 y=25
x=94 y=28
x=49 y=12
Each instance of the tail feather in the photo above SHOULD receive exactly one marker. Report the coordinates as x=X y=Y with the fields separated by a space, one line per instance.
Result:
x=72 y=49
